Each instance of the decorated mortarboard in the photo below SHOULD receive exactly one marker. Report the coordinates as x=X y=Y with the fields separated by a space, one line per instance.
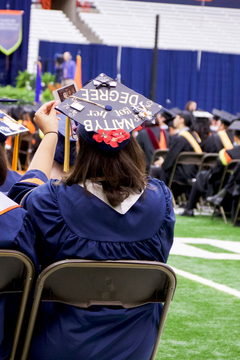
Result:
x=60 y=148
x=235 y=125
x=108 y=111
x=9 y=127
x=202 y=114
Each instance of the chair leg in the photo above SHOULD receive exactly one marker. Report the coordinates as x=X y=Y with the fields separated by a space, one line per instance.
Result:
x=223 y=214
x=173 y=201
x=237 y=212
x=198 y=208
x=213 y=212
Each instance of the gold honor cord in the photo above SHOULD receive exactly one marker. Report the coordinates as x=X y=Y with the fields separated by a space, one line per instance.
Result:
x=107 y=107
x=15 y=153
x=67 y=146
x=225 y=139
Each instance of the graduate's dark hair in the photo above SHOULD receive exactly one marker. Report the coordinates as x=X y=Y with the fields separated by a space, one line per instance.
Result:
x=3 y=164
x=237 y=133
x=202 y=128
x=188 y=119
x=120 y=173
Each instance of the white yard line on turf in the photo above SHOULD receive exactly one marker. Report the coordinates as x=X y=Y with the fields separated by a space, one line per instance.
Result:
x=207 y=282
x=185 y=247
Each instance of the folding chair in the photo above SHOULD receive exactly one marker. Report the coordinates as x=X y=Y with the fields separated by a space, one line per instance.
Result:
x=123 y=283
x=208 y=161
x=16 y=275
x=229 y=168
x=158 y=153
x=237 y=212
x=184 y=158
x=27 y=138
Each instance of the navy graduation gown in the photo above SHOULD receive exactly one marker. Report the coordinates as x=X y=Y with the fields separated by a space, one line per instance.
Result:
x=17 y=233
x=12 y=177
x=73 y=225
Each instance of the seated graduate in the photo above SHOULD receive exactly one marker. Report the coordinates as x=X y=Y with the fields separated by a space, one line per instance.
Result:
x=201 y=125
x=11 y=176
x=207 y=182
x=231 y=191
x=223 y=137
x=154 y=136
x=105 y=208
x=183 y=140
x=17 y=233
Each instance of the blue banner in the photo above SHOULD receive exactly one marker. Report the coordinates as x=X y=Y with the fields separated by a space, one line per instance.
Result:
x=10 y=30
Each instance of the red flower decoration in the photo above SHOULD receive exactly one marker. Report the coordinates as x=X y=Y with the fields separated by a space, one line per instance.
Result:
x=111 y=137
x=120 y=135
x=103 y=135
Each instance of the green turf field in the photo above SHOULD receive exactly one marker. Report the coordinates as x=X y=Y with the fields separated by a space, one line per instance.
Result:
x=203 y=323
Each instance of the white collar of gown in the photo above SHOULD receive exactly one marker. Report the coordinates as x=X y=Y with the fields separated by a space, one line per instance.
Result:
x=122 y=208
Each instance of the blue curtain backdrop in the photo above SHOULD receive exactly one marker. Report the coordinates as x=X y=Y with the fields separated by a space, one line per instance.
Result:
x=216 y=84
x=18 y=59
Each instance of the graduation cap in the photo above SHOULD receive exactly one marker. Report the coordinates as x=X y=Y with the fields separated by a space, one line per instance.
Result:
x=9 y=127
x=201 y=114
x=169 y=115
x=107 y=112
x=8 y=100
x=226 y=118
x=188 y=117
x=216 y=114
x=60 y=148
x=235 y=125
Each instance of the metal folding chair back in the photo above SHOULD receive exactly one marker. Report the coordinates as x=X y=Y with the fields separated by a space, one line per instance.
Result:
x=229 y=169
x=209 y=160
x=158 y=153
x=84 y=283
x=16 y=275
x=184 y=158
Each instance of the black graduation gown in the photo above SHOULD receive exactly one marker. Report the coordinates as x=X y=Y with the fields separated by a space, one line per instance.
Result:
x=208 y=182
x=144 y=141
x=213 y=144
x=183 y=172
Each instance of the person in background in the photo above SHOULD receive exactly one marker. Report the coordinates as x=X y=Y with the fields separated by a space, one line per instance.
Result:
x=223 y=138
x=69 y=69
x=191 y=106
x=214 y=120
x=154 y=137
x=184 y=140
x=11 y=176
x=202 y=125
x=207 y=182
x=106 y=208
